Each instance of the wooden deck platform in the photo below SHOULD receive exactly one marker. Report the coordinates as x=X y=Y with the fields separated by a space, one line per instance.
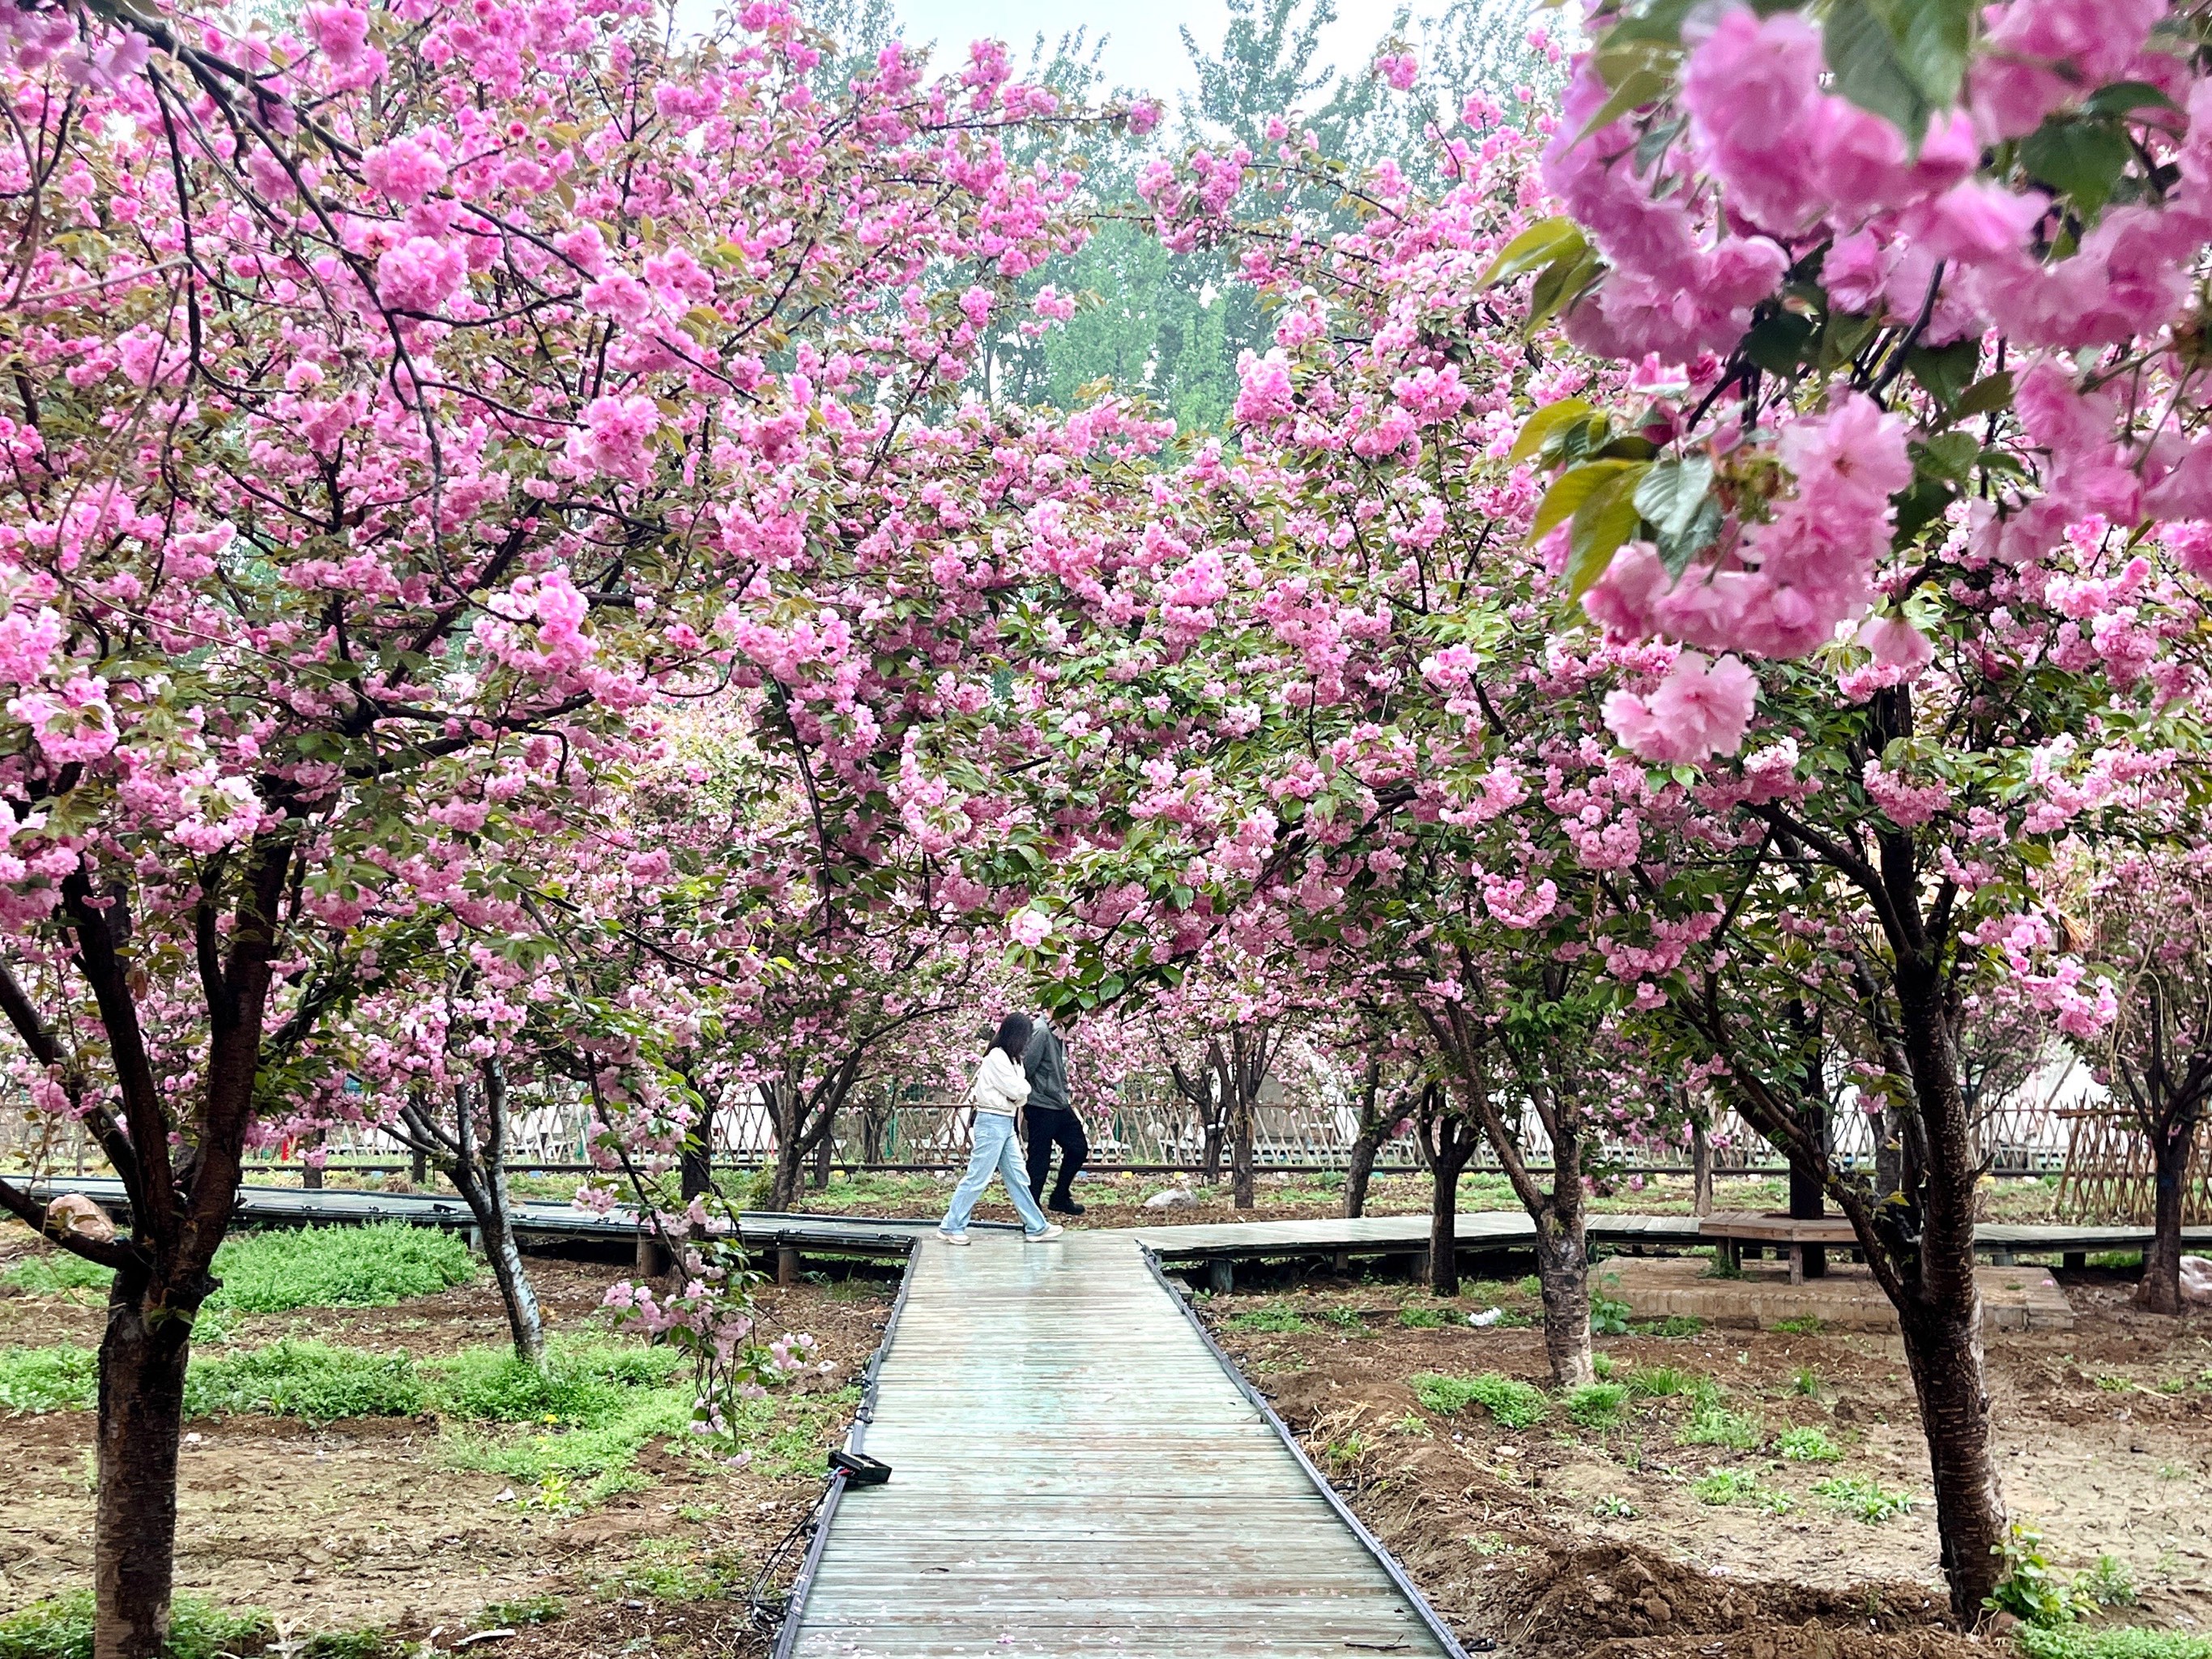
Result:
x=1075 y=1470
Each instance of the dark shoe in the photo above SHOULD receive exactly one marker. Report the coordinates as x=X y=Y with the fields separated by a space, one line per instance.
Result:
x=1065 y=1206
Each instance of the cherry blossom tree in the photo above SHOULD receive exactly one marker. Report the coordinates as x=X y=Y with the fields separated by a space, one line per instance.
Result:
x=1902 y=500
x=394 y=426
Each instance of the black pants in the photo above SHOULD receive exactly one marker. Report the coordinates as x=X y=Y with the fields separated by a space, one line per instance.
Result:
x=1049 y=1127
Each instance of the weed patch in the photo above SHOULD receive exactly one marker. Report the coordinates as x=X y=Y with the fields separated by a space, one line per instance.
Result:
x=1513 y=1404
x=1420 y=1319
x=1597 y=1405
x=1656 y=1382
x=1862 y=1499
x=1275 y=1317
x=312 y=1380
x=1800 y=1325
x=1712 y=1424
x=59 y=1379
x=2127 y=1642
x=371 y=1267
x=62 y=1629
x=55 y=1272
x=1808 y=1446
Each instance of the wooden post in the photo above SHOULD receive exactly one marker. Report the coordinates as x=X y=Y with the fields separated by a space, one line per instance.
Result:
x=1701 y=1169
x=1796 y=1262
x=2075 y=1259
x=648 y=1262
x=787 y=1267
x=1220 y=1275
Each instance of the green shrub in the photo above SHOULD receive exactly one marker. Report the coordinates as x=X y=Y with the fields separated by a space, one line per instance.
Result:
x=1513 y=1404
x=2029 y=1590
x=1597 y=1405
x=1420 y=1319
x=1275 y=1317
x=369 y=1266
x=1657 y=1382
x=1344 y=1318
x=1808 y=1446
x=2109 y=1583
x=62 y=1629
x=51 y=1272
x=1608 y=1317
x=48 y=1379
x=2126 y=1642
x=317 y=1381
x=1864 y=1499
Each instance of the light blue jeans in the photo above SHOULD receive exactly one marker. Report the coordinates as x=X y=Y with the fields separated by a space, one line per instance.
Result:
x=997 y=1151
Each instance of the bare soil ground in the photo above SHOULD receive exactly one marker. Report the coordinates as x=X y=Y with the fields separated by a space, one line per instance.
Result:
x=1562 y=1542
x=364 y=1523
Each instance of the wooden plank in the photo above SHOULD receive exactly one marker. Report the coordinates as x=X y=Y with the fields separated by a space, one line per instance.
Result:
x=1073 y=1470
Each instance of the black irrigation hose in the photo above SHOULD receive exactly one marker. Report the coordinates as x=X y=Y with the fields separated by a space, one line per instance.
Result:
x=783 y=1616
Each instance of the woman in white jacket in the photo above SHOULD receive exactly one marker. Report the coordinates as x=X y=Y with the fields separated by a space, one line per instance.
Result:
x=998 y=1091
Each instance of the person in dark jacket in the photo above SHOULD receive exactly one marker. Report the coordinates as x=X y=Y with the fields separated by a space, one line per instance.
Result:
x=1052 y=1119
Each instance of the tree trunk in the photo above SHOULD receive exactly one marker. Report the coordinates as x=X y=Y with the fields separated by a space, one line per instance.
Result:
x=783 y=1190
x=1562 y=1274
x=525 y=1325
x=1944 y=1352
x=1212 y=1156
x=1443 y=1224
x=1808 y=1197
x=824 y=1150
x=1241 y=1191
x=2160 y=1290
x=1361 y=1171
x=1701 y=1170
x=311 y=1173
x=142 y=1409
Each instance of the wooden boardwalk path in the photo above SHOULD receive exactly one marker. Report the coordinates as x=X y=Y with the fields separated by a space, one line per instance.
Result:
x=1074 y=1470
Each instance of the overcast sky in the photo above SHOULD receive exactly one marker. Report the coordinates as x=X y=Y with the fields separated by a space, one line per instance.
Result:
x=1144 y=49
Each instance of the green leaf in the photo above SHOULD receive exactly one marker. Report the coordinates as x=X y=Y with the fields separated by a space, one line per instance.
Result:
x=1604 y=521
x=1539 y=244
x=1544 y=422
x=2122 y=96
x=1932 y=38
x=1643 y=85
x=1671 y=493
x=1677 y=548
x=2083 y=160
x=1560 y=286
x=1948 y=456
x=1920 y=506
x=1946 y=371
x=1777 y=342
x=1989 y=393
x=1870 y=68
x=1569 y=490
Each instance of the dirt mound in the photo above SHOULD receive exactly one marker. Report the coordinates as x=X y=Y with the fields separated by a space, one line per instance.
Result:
x=1607 y=1601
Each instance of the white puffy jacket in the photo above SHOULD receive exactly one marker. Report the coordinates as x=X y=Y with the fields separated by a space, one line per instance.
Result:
x=999 y=1088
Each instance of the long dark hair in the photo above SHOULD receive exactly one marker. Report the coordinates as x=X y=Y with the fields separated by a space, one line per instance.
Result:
x=1013 y=1037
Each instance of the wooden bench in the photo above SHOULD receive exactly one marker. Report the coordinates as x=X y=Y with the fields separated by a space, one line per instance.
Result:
x=1732 y=1231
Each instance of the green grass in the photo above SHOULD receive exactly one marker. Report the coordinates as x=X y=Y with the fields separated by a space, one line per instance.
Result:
x=1800 y=1325
x=317 y=1381
x=2126 y=1642
x=1657 y=1382
x=48 y=1379
x=1862 y=1499
x=1673 y=1325
x=1597 y=1405
x=1344 y=1319
x=673 y=1569
x=54 y=1273
x=584 y=1384
x=369 y=1267
x=1513 y=1404
x=1724 y=1486
x=1275 y=1317
x=273 y=1272
x=62 y=1629
x=1421 y=1318
x=1807 y=1446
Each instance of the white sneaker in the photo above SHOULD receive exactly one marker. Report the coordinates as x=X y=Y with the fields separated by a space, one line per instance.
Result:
x=953 y=1238
x=1045 y=1237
